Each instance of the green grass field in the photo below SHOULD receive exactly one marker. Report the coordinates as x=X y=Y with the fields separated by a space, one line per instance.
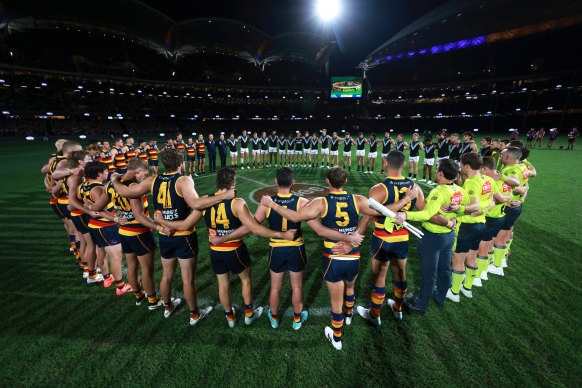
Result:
x=520 y=330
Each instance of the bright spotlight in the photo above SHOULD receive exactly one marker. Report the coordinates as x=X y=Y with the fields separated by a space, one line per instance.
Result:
x=328 y=9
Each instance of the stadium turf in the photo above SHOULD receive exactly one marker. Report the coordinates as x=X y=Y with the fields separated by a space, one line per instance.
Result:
x=522 y=329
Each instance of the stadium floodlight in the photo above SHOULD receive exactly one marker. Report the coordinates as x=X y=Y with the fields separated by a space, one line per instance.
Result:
x=2 y=81
x=550 y=107
x=147 y=115
x=517 y=109
x=79 y=87
x=5 y=112
x=111 y=89
x=86 y=114
x=328 y=10
x=29 y=137
x=42 y=83
x=557 y=86
x=118 y=115
x=172 y=116
x=162 y=134
x=82 y=137
x=49 y=113
x=475 y=129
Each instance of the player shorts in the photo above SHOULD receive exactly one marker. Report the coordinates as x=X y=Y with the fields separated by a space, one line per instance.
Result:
x=552 y=138
x=469 y=236
x=106 y=236
x=234 y=261
x=413 y=159
x=298 y=152
x=360 y=152
x=337 y=269
x=191 y=158
x=429 y=161
x=325 y=151
x=314 y=152
x=153 y=163
x=263 y=152
x=201 y=156
x=384 y=155
x=244 y=150
x=492 y=227
x=347 y=154
x=290 y=152
x=139 y=244
x=283 y=259
x=511 y=215
x=64 y=211
x=443 y=158
x=530 y=138
x=81 y=223
x=182 y=247
x=233 y=153
x=282 y=152
x=373 y=155
x=256 y=152
x=272 y=149
x=334 y=153
x=384 y=251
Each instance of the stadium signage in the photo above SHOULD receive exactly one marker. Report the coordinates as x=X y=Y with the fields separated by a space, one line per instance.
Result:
x=308 y=191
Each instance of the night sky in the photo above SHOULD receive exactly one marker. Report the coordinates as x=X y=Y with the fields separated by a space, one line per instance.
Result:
x=363 y=24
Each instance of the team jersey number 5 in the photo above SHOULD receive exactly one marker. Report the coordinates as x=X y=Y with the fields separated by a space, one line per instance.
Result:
x=163 y=196
x=219 y=217
x=340 y=214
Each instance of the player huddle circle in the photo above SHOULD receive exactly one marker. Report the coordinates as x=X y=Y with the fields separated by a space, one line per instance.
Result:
x=467 y=224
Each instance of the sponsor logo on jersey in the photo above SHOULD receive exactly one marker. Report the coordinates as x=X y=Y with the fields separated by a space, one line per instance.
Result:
x=457 y=198
x=486 y=189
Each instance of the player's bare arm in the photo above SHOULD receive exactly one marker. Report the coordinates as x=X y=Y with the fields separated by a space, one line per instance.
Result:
x=242 y=212
x=185 y=187
x=133 y=191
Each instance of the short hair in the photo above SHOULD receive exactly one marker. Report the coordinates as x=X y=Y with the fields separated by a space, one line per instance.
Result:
x=473 y=160
x=515 y=143
x=524 y=153
x=337 y=177
x=373 y=135
x=487 y=139
x=468 y=134
x=455 y=134
x=93 y=169
x=172 y=159
x=489 y=162
x=448 y=168
x=495 y=140
x=93 y=147
x=360 y=133
x=513 y=152
x=136 y=164
x=347 y=133
x=395 y=159
x=285 y=176
x=506 y=141
x=59 y=143
x=69 y=145
x=117 y=139
x=225 y=178
x=75 y=156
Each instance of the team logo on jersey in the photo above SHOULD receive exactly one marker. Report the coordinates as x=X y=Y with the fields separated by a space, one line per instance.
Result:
x=308 y=191
x=486 y=188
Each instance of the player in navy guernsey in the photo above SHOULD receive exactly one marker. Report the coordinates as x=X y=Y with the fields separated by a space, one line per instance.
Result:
x=228 y=253
x=173 y=196
x=485 y=147
x=290 y=149
x=191 y=157
x=429 y=149
x=442 y=148
x=372 y=153
x=231 y=143
x=338 y=210
x=273 y=148
x=324 y=141
x=334 y=149
x=244 y=140
x=298 y=150
x=264 y=141
x=468 y=145
x=361 y=150
x=306 y=149
x=387 y=144
x=314 y=144
x=348 y=142
x=415 y=146
x=282 y=142
x=256 y=151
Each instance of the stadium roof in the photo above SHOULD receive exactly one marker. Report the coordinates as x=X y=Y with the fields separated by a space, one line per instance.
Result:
x=144 y=25
x=460 y=23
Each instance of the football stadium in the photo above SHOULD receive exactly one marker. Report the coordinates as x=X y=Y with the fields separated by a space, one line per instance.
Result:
x=312 y=193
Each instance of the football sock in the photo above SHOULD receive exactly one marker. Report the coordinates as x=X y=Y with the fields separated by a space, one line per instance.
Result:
x=509 y=243
x=106 y=277
x=229 y=315
x=457 y=279
x=378 y=295
x=153 y=299
x=482 y=263
x=195 y=314
x=139 y=294
x=248 y=310
x=414 y=176
x=471 y=272
x=410 y=175
x=92 y=274
x=274 y=317
x=337 y=321
x=168 y=306
x=119 y=283
x=400 y=289
x=498 y=254
x=349 y=303
x=85 y=266
x=297 y=317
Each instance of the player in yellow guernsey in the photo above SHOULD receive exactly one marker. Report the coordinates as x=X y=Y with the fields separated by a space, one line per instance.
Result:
x=230 y=254
x=174 y=195
x=471 y=225
x=435 y=248
x=339 y=211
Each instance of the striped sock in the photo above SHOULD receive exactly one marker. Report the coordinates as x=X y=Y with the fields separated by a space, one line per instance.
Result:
x=85 y=266
x=350 y=300
x=482 y=263
x=139 y=294
x=168 y=306
x=195 y=314
x=456 y=281
x=248 y=310
x=499 y=254
x=72 y=240
x=337 y=321
x=106 y=277
x=229 y=315
x=119 y=283
x=471 y=273
x=92 y=274
x=274 y=317
x=297 y=316
x=400 y=290
x=378 y=295
x=153 y=299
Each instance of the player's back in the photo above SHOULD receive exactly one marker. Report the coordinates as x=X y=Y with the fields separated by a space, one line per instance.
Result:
x=221 y=221
x=132 y=227
x=281 y=224
x=341 y=214
x=168 y=201
x=395 y=188
x=85 y=193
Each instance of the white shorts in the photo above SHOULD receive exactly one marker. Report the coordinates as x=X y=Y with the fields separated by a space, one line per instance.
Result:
x=290 y=152
x=298 y=152
x=347 y=154
x=443 y=158
x=272 y=149
x=256 y=152
x=384 y=155
x=282 y=152
x=314 y=152
x=233 y=153
x=373 y=154
x=413 y=159
x=333 y=153
x=244 y=150
x=360 y=152
x=429 y=161
x=264 y=152
x=325 y=151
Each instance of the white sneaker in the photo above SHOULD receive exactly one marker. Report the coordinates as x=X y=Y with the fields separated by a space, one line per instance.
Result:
x=97 y=279
x=495 y=270
x=203 y=314
x=453 y=297
x=397 y=314
x=256 y=315
x=348 y=320
x=365 y=313
x=484 y=275
x=477 y=282
x=168 y=313
x=231 y=323
x=504 y=263
x=242 y=168
x=467 y=293
x=85 y=275
x=329 y=335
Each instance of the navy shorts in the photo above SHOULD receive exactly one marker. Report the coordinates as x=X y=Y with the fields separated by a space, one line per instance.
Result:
x=335 y=270
x=106 y=236
x=511 y=215
x=63 y=211
x=385 y=251
x=191 y=158
x=182 y=247
x=201 y=156
x=469 y=237
x=139 y=244
x=283 y=259
x=153 y=163
x=234 y=261
x=81 y=223
x=492 y=227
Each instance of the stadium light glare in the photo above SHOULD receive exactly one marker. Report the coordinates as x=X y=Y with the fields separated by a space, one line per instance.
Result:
x=86 y=114
x=162 y=134
x=29 y=138
x=328 y=10
x=82 y=137
x=125 y=135
x=147 y=115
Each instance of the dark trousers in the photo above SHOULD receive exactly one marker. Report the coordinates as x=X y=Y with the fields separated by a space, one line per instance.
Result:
x=222 y=159
x=212 y=161
x=434 y=256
